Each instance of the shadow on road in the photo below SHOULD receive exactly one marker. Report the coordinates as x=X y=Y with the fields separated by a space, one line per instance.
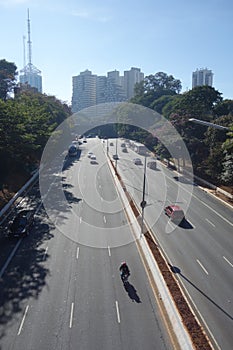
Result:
x=132 y=293
x=176 y=269
x=26 y=276
x=186 y=224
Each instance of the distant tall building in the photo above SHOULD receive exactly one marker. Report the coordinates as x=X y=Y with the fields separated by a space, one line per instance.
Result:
x=30 y=75
x=89 y=89
x=84 y=90
x=115 y=90
x=101 y=89
x=131 y=77
x=202 y=77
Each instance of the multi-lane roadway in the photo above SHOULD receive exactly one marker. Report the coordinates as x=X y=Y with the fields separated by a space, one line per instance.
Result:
x=60 y=287
x=201 y=250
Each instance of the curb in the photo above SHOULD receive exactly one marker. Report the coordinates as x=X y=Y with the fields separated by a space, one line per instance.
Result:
x=182 y=336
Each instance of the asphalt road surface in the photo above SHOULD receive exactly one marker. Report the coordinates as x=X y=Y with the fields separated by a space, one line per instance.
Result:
x=201 y=249
x=61 y=288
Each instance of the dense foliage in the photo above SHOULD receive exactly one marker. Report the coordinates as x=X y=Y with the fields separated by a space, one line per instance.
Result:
x=8 y=74
x=26 y=123
x=211 y=150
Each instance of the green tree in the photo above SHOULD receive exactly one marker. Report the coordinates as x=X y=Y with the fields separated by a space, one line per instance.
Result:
x=155 y=86
x=227 y=170
x=26 y=123
x=197 y=103
x=224 y=107
x=161 y=102
x=7 y=78
x=228 y=144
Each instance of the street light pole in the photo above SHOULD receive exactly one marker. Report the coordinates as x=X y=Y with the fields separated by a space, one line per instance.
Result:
x=203 y=122
x=107 y=147
x=143 y=202
x=116 y=156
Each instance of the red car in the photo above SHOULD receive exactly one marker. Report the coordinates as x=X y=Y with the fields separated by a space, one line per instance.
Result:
x=174 y=212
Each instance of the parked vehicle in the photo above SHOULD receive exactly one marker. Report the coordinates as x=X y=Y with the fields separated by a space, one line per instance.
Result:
x=115 y=157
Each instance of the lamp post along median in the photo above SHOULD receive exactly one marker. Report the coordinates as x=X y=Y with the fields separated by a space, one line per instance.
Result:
x=143 y=202
x=116 y=157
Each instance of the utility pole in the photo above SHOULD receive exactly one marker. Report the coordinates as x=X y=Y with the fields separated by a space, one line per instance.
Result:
x=143 y=202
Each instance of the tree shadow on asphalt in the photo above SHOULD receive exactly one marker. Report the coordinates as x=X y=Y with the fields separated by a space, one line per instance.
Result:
x=176 y=270
x=68 y=161
x=132 y=293
x=25 y=277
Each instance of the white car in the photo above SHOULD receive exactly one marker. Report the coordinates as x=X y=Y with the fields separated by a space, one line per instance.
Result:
x=93 y=157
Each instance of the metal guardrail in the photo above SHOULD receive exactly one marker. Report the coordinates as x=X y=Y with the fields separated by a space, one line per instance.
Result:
x=13 y=199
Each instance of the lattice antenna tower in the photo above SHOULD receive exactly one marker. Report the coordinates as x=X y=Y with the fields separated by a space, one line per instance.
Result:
x=29 y=44
x=29 y=68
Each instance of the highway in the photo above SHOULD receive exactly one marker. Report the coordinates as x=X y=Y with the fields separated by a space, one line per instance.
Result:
x=201 y=250
x=61 y=288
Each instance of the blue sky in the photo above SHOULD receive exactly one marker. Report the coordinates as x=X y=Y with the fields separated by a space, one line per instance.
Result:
x=172 y=36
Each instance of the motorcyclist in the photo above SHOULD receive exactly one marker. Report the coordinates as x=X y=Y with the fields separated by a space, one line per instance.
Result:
x=124 y=269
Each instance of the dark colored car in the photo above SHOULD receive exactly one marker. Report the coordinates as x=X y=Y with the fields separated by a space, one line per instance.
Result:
x=20 y=226
x=115 y=157
x=124 y=150
x=137 y=161
x=174 y=212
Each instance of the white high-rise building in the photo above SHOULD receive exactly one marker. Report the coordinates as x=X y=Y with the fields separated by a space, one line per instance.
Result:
x=84 y=91
x=202 y=77
x=89 y=89
x=101 y=89
x=131 y=77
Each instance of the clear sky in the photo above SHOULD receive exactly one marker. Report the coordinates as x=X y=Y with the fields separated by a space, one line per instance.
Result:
x=69 y=36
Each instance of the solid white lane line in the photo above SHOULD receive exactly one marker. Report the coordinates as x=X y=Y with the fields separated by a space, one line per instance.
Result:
x=77 y=254
x=210 y=222
x=202 y=267
x=118 y=312
x=45 y=253
x=105 y=219
x=71 y=314
x=109 y=251
x=228 y=261
x=10 y=257
x=99 y=186
x=23 y=319
x=80 y=219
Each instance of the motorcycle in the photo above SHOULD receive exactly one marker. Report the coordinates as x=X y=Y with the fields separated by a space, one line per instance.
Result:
x=124 y=276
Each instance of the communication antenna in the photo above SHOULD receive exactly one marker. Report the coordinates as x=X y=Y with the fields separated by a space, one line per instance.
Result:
x=29 y=44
